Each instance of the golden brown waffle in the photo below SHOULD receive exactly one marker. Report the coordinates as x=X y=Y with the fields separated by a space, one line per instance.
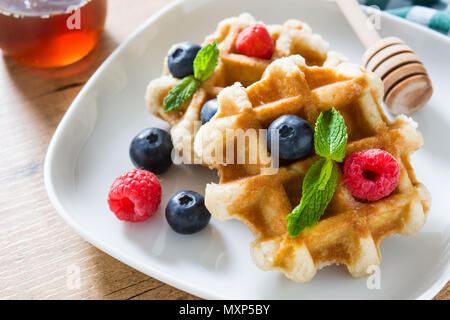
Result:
x=293 y=37
x=350 y=230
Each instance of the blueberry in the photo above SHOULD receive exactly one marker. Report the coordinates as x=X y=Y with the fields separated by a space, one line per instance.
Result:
x=209 y=109
x=151 y=150
x=296 y=137
x=186 y=212
x=181 y=59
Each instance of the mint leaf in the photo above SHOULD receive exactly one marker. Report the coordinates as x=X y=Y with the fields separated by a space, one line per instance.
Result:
x=330 y=136
x=319 y=185
x=204 y=64
x=325 y=174
x=180 y=93
x=206 y=61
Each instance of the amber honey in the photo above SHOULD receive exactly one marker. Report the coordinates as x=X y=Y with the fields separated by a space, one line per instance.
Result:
x=50 y=33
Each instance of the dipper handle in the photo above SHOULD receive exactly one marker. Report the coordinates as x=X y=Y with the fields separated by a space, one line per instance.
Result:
x=407 y=86
x=359 y=23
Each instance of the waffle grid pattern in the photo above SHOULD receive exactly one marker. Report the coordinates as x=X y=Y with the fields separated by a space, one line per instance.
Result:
x=293 y=37
x=350 y=231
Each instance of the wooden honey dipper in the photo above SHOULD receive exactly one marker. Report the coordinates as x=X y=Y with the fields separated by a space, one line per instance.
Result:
x=407 y=86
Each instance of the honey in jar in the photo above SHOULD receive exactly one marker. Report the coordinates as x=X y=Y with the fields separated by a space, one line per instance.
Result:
x=50 y=33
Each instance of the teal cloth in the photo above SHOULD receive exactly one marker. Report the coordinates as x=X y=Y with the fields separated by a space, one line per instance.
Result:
x=434 y=14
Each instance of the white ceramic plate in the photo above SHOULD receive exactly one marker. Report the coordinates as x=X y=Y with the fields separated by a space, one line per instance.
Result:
x=90 y=148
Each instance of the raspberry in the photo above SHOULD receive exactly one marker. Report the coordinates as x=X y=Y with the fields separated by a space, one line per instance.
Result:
x=371 y=174
x=135 y=196
x=255 y=41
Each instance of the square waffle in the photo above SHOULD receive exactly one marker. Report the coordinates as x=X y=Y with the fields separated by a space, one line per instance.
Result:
x=350 y=230
x=293 y=37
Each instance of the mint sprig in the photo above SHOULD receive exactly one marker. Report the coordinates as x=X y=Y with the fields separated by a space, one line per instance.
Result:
x=330 y=136
x=319 y=184
x=318 y=189
x=206 y=61
x=204 y=65
x=180 y=93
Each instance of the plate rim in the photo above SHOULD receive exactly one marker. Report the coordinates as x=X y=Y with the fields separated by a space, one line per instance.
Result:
x=118 y=254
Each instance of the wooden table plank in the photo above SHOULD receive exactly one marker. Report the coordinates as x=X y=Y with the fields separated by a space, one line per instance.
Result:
x=39 y=253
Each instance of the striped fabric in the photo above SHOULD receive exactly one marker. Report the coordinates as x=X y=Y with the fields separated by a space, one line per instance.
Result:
x=434 y=14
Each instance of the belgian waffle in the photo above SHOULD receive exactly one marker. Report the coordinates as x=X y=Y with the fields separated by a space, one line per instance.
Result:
x=350 y=230
x=293 y=37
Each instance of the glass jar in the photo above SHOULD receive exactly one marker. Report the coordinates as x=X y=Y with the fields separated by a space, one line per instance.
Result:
x=50 y=33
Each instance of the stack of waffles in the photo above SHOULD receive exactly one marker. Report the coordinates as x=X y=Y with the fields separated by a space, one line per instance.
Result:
x=302 y=79
x=293 y=37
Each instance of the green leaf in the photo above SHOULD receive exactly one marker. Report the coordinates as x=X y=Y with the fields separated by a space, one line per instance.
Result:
x=330 y=136
x=204 y=64
x=180 y=93
x=319 y=185
x=206 y=61
x=325 y=174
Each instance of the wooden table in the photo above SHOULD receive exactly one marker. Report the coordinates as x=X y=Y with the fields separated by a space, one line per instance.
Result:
x=39 y=253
